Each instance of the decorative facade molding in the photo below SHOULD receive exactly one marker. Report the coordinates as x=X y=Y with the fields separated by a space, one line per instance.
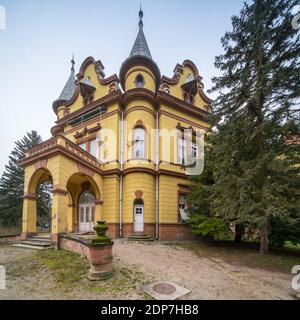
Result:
x=85 y=170
x=86 y=131
x=41 y=164
x=29 y=196
x=138 y=194
x=59 y=191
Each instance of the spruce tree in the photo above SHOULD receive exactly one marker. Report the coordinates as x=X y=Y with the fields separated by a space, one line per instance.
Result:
x=256 y=177
x=12 y=184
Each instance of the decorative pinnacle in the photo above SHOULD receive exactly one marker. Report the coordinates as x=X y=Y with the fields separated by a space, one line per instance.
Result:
x=141 y=15
x=73 y=63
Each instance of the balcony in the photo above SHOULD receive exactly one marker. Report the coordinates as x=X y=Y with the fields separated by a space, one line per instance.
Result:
x=61 y=145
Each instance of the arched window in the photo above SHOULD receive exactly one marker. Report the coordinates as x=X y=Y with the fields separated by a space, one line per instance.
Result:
x=86 y=211
x=86 y=198
x=139 y=81
x=139 y=143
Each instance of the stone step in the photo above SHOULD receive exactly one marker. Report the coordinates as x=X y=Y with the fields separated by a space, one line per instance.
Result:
x=41 y=236
x=27 y=246
x=42 y=244
x=39 y=239
x=139 y=237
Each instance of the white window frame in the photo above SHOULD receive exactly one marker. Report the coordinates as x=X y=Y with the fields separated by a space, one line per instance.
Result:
x=181 y=150
x=182 y=206
x=94 y=144
x=139 y=136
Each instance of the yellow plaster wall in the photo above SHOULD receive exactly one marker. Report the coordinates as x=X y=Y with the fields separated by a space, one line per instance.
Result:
x=29 y=216
x=110 y=210
x=176 y=90
x=142 y=182
x=101 y=90
x=149 y=79
x=168 y=198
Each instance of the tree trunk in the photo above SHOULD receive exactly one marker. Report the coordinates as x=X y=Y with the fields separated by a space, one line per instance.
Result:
x=239 y=230
x=263 y=234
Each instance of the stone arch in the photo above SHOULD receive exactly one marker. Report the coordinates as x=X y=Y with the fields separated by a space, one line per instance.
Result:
x=39 y=176
x=30 y=219
x=77 y=184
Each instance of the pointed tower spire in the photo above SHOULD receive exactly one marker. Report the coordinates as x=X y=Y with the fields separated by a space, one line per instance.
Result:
x=141 y=15
x=73 y=64
x=140 y=47
x=68 y=90
x=139 y=55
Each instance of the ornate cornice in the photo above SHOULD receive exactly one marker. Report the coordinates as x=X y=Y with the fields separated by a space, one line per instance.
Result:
x=172 y=173
x=138 y=93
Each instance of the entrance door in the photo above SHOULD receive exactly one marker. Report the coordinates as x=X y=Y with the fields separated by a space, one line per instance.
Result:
x=86 y=217
x=139 y=218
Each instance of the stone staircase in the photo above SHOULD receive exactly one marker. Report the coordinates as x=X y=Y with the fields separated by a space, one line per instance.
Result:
x=37 y=242
x=139 y=237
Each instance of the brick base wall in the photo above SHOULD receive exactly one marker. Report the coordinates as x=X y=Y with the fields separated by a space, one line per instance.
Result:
x=167 y=232
x=8 y=239
x=175 y=232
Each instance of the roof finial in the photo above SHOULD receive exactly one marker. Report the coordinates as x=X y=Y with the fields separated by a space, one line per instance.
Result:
x=141 y=14
x=73 y=63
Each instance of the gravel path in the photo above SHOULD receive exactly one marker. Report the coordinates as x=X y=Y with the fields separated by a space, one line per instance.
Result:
x=207 y=278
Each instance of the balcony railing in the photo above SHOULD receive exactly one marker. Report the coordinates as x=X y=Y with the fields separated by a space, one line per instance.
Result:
x=62 y=144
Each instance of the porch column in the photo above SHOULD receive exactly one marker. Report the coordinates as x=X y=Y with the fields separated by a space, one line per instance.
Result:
x=98 y=210
x=71 y=217
x=59 y=213
x=29 y=215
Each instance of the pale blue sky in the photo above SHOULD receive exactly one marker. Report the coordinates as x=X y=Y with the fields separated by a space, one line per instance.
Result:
x=41 y=35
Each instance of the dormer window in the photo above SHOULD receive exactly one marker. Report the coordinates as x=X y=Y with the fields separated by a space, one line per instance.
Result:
x=189 y=98
x=139 y=81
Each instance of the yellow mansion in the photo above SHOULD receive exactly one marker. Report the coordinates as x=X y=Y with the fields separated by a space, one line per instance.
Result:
x=109 y=159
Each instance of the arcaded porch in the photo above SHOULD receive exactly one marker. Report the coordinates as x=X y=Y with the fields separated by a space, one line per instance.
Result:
x=77 y=183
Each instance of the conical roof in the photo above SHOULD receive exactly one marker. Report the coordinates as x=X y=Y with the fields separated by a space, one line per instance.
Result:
x=140 y=46
x=68 y=90
x=139 y=54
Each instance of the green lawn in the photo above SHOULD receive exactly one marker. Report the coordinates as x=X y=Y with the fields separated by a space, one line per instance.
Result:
x=246 y=254
x=70 y=272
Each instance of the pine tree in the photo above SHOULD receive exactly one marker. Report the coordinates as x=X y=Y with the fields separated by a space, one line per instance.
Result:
x=254 y=168
x=12 y=184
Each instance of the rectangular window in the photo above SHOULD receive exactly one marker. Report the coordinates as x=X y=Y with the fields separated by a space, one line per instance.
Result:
x=94 y=148
x=186 y=149
x=139 y=143
x=182 y=206
x=181 y=151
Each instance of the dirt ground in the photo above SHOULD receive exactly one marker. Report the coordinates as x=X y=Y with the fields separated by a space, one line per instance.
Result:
x=207 y=278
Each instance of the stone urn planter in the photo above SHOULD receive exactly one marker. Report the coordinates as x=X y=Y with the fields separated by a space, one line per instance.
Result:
x=100 y=253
